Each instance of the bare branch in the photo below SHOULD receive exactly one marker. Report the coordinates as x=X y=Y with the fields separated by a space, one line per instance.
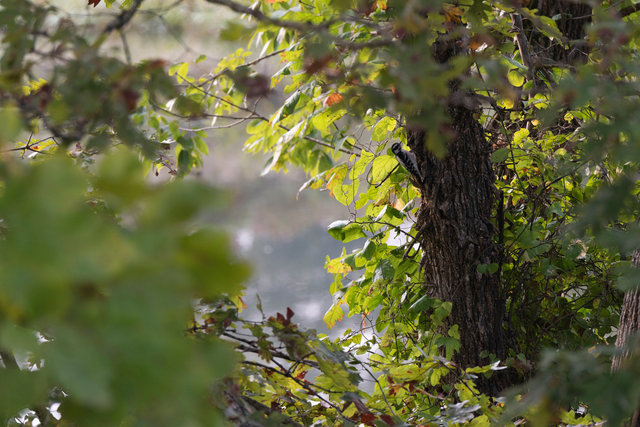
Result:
x=523 y=44
x=123 y=18
x=298 y=26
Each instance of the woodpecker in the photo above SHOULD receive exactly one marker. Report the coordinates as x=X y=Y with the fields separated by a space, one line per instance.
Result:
x=408 y=160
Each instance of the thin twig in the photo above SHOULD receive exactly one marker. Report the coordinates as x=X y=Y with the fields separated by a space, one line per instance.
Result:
x=125 y=46
x=247 y=64
x=304 y=384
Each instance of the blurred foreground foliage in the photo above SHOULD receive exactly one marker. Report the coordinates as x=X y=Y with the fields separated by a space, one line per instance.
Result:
x=95 y=301
x=118 y=307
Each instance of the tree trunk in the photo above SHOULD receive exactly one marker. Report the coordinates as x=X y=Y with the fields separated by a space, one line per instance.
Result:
x=629 y=325
x=458 y=235
x=458 y=197
x=574 y=17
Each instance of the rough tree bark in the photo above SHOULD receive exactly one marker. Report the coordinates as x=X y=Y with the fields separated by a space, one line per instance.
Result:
x=455 y=220
x=574 y=16
x=628 y=326
x=457 y=233
x=457 y=236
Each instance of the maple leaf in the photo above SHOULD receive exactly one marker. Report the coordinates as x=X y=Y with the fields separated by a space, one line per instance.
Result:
x=94 y=2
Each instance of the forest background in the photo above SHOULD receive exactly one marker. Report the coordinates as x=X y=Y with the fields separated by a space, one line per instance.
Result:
x=496 y=287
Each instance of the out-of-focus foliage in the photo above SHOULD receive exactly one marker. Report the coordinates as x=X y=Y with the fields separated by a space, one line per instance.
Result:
x=100 y=268
x=100 y=271
x=94 y=304
x=56 y=78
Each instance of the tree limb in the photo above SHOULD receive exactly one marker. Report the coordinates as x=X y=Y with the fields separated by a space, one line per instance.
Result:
x=626 y=11
x=123 y=18
x=303 y=27
x=523 y=45
x=259 y=16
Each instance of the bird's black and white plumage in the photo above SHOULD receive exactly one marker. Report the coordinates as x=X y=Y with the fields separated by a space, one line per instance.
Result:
x=408 y=160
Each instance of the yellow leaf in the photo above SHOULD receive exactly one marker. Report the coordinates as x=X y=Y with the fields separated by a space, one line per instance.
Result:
x=336 y=266
x=399 y=204
x=334 y=315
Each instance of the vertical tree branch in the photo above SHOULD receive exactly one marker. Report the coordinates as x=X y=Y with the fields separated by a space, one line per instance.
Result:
x=523 y=45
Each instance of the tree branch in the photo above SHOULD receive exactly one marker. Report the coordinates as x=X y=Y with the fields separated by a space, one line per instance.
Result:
x=123 y=18
x=303 y=27
x=523 y=45
x=626 y=11
x=259 y=16
x=8 y=360
x=305 y=385
x=244 y=406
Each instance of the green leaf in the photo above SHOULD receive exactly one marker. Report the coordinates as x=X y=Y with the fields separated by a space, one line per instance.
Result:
x=487 y=268
x=382 y=167
x=345 y=231
x=325 y=118
x=333 y=315
x=442 y=311
x=26 y=388
x=368 y=250
x=80 y=367
x=287 y=108
x=500 y=155
x=11 y=124
x=423 y=304
x=451 y=345
x=390 y=216
x=109 y=295
x=187 y=106
x=185 y=162
x=513 y=62
x=549 y=27
x=382 y=128
x=520 y=135
x=235 y=31
x=180 y=70
x=384 y=271
x=361 y=164
x=516 y=77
